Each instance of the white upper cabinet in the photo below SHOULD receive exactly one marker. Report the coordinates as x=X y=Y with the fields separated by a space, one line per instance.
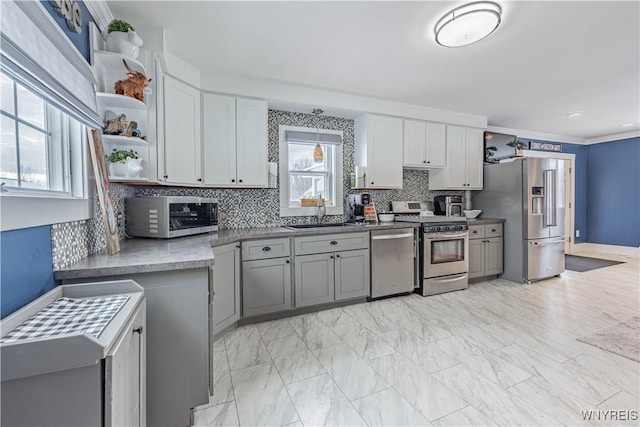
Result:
x=378 y=146
x=474 y=158
x=251 y=139
x=182 y=141
x=219 y=139
x=234 y=141
x=424 y=144
x=464 y=161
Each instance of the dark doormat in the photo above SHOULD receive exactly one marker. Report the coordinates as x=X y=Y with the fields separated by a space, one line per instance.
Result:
x=582 y=263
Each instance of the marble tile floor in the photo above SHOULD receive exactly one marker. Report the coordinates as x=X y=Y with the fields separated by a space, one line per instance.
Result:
x=498 y=353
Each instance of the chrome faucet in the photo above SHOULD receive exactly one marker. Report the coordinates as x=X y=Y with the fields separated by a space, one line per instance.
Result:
x=322 y=209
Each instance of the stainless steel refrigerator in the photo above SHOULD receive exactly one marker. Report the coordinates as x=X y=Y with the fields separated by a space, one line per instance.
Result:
x=529 y=194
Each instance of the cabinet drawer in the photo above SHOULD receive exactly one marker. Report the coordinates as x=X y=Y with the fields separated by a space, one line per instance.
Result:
x=330 y=243
x=492 y=230
x=476 y=231
x=265 y=249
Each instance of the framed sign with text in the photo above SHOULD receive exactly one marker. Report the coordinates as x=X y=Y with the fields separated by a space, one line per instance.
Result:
x=545 y=146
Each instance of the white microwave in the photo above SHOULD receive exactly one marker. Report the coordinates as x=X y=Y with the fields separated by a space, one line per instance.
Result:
x=167 y=217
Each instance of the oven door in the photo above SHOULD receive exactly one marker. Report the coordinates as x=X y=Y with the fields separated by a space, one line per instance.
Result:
x=445 y=253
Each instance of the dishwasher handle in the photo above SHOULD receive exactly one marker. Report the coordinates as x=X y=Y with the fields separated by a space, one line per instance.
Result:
x=392 y=236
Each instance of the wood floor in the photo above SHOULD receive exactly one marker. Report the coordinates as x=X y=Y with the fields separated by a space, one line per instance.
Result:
x=498 y=353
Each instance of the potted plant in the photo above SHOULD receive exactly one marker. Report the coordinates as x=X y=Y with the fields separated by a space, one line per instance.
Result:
x=519 y=146
x=123 y=39
x=124 y=163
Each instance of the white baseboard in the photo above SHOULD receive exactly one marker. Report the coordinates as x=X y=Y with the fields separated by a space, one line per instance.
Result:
x=628 y=251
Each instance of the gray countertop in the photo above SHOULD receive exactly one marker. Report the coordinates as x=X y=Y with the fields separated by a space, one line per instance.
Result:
x=152 y=255
x=479 y=221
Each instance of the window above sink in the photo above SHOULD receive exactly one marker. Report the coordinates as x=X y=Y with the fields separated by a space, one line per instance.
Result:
x=303 y=178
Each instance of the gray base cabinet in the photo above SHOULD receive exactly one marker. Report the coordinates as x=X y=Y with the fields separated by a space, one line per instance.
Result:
x=324 y=275
x=266 y=286
x=352 y=274
x=126 y=405
x=178 y=363
x=314 y=279
x=493 y=256
x=476 y=258
x=226 y=285
x=266 y=276
x=76 y=379
x=485 y=250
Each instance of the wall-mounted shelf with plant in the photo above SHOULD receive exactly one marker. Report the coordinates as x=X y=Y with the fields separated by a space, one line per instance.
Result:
x=122 y=38
x=124 y=164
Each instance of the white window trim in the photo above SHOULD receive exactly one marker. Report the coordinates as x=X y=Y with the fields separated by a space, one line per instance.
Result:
x=285 y=209
x=27 y=210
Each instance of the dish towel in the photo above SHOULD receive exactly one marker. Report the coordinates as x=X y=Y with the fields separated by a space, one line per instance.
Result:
x=69 y=316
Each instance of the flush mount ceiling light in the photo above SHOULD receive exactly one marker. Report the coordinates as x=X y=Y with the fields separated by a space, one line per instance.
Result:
x=575 y=114
x=467 y=24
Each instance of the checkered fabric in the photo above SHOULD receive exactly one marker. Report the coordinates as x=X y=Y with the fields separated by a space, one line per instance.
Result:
x=69 y=316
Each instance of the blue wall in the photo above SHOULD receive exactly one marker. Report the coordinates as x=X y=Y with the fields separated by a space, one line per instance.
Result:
x=26 y=269
x=80 y=41
x=613 y=202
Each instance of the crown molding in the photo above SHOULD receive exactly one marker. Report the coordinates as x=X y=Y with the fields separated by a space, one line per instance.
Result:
x=100 y=13
x=538 y=135
x=613 y=137
x=563 y=138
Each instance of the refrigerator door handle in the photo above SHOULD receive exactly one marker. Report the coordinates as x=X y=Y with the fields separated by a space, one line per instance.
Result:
x=550 y=197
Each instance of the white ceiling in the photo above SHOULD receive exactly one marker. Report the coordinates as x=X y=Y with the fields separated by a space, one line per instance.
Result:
x=547 y=58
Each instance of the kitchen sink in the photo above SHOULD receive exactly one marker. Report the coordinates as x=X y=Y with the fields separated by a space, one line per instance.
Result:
x=307 y=226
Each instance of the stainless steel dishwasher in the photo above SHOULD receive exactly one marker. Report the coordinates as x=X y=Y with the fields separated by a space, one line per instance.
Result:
x=393 y=262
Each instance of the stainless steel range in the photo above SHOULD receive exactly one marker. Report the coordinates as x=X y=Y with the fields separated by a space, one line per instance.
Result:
x=444 y=248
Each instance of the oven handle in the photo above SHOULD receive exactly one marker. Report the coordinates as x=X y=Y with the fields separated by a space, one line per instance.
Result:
x=452 y=279
x=435 y=236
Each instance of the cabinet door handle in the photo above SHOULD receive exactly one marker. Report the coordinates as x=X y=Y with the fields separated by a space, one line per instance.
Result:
x=493 y=230
x=331 y=256
x=266 y=249
x=424 y=161
x=138 y=330
x=333 y=242
x=199 y=179
x=372 y=183
x=233 y=180
x=337 y=256
x=475 y=231
x=239 y=180
x=166 y=177
x=428 y=161
x=288 y=261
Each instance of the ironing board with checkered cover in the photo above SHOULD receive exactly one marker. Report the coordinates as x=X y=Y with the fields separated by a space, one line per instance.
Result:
x=69 y=316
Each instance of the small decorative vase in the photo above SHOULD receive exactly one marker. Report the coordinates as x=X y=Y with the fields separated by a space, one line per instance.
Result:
x=125 y=43
x=133 y=167
x=118 y=170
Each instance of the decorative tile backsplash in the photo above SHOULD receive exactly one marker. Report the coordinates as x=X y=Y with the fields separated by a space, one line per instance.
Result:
x=240 y=208
x=72 y=241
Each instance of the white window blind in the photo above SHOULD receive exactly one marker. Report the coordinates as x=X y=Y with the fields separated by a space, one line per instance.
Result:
x=37 y=51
